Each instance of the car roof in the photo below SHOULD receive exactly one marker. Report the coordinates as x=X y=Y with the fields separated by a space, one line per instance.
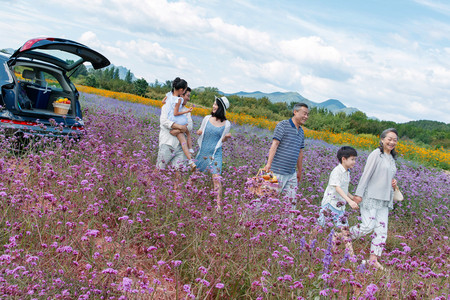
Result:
x=3 y=57
x=5 y=78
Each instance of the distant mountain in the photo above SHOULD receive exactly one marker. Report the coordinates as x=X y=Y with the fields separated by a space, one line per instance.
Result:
x=332 y=105
x=274 y=97
x=7 y=51
x=123 y=72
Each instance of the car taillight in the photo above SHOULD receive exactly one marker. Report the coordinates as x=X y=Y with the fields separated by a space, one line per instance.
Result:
x=18 y=122
x=77 y=127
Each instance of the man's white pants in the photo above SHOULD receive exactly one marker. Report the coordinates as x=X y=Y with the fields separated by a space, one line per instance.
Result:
x=375 y=220
x=288 y=186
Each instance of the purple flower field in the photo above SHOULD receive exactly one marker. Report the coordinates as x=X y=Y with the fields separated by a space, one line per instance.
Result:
x=94 y=219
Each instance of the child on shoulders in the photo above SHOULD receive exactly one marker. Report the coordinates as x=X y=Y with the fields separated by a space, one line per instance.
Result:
x=336 y=196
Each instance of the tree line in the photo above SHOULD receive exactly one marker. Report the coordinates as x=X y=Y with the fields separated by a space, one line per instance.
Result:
x=423 y=132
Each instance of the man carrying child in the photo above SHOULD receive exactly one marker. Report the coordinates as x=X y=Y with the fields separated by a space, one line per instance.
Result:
x=170 y=152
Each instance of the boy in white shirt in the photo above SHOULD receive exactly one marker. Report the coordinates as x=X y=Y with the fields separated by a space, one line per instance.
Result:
x=336 y=196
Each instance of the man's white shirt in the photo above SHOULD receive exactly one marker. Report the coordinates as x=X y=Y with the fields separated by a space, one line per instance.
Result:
x=165 y=138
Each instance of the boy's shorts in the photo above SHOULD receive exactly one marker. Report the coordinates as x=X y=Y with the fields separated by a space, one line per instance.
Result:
x=329 y=213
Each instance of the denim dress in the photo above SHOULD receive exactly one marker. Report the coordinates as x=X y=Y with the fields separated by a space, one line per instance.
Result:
x=205 y=161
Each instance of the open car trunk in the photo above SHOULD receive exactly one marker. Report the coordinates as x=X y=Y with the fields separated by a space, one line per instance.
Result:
x=39 y=87
x=37 y=98
x=39 y=68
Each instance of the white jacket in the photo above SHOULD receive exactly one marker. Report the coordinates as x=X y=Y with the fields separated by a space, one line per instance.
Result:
x=165 y=138
x=377 y=176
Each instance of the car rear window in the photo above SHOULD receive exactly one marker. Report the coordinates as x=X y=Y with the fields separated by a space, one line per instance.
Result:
x=68 y=58
x=51 y=81
x=37 y=77
x=19 y=71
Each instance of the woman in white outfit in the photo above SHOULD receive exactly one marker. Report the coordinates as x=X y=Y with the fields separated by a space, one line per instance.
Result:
x=375 y=194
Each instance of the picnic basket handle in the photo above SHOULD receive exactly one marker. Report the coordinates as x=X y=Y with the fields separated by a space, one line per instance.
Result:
x=261 y=170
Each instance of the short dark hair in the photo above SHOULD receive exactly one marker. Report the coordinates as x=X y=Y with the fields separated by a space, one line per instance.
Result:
x=188 y=89
x=346 y=151
x=297 y=107
x=220 y=112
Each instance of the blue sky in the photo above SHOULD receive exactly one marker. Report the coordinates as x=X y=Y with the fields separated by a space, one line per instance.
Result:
x=390 y=59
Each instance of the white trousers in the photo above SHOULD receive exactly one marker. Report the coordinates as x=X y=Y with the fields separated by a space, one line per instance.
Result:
x=288 y=186
x=375 y=220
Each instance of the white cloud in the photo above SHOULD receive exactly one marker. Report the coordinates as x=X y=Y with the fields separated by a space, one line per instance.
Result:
x=151 y=52
x=436 y=6
x=238 y=35
x=310 y=49
x=381 y=70
x=417 y=107
x=273 y=72
x=90 y=39
x=177 y=18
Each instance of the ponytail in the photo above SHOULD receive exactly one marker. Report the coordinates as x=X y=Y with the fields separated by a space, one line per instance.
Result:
x=179 y=83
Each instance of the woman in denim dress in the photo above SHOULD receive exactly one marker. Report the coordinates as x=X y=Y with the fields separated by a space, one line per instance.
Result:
x=214 y=130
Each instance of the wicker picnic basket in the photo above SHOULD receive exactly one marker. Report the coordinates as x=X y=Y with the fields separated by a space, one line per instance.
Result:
x=61 y=108
x=263 y=183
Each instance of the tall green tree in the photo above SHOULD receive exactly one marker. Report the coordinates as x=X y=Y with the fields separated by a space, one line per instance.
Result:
x=116 y=74
x=140 y=87
x=128 y=77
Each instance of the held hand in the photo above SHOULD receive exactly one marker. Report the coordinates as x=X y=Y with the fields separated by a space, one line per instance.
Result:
x=190 y=109
x=267 y=168
x=353 y=204
x=164 y=100
x=357 y=199
x=394 y=184
x=182 y=128
x=199 y=132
